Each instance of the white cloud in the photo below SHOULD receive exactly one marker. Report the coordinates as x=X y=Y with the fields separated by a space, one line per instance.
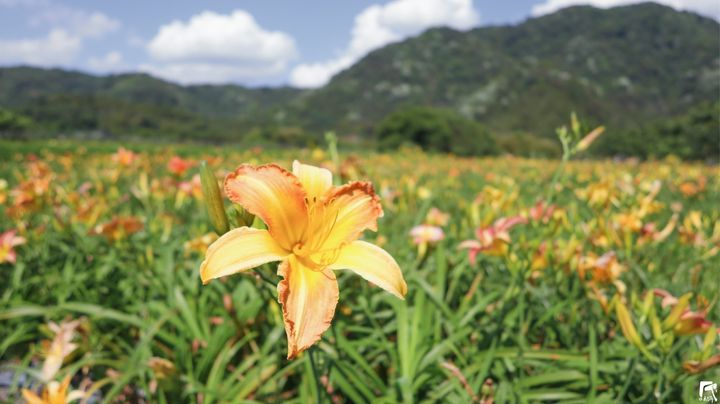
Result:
x=86 y=24
x=112 y=61
x=57 y=48
x=68 y=28
x=710 y=8
x=379 y=25
x=213 y=47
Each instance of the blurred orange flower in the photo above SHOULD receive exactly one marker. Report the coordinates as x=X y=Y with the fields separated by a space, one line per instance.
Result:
x=178 y=165
x=53 y=393
x=119 y=227
x=687 y=322
x=492 y=240
x=436 y=217
x=124 y=157
x=9 y=240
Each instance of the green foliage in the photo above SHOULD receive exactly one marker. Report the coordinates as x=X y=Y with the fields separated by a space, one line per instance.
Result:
x=497 y=330
x=695 y=135
x=435 y=129
x=11 y=123
x=528 y=145
x=621 y=67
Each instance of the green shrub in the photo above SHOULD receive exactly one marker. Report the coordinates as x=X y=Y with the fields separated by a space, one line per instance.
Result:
x=434 y=129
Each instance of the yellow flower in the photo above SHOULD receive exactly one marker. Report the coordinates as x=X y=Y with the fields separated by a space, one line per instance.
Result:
x=313 y=229
x=8 y=240
x=53 y=393
x=59 y=348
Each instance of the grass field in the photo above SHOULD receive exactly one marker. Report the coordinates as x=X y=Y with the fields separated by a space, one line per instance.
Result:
x=600 y=284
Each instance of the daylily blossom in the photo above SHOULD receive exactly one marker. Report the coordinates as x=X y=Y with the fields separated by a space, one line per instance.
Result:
x=199 y=244
x=689 y=322
x=8 y=240
x=59 y=348
x=603 y=270
x=692 y=188
x=178 y=165
x=424 y=234
x=649 y=232
x=436 y=217
x=124 y=157
x=54 y=393
x=119 y=227
x=492 y=240
x=313 y=229
x=542 y=212
x=3 y=190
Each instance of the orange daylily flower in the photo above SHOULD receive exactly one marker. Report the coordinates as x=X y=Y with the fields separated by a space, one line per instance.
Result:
x=53 y=393
x=686 y=322
x=492 y=240
x=178 y=165
x=313 y=229
x=604 y=269
x=436 y=217
x=9 y=240
x=124 y=157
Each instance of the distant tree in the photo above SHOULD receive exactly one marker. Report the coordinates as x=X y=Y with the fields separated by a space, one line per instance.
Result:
x=435 y=129
x=694 y=135
x=12 y=123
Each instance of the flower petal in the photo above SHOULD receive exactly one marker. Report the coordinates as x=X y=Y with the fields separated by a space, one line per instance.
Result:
x=273 y=194
x=374 y=264
x=308 y=300
x=352 y=208
x=31 y=398
x=239 y=250
x=315 y=180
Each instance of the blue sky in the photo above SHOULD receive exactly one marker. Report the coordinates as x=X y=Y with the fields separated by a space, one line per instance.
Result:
x=253 y=42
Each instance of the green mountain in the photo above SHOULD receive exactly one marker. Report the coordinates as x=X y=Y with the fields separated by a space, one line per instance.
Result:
x=624 y=67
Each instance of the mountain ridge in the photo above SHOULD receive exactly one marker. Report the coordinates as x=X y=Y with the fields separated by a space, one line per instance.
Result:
x=625 y=67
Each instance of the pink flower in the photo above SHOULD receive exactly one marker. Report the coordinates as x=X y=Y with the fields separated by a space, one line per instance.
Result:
x=542 y=212
x=425 y=233
x=689 y=322
x=492 y=240
x=8 y=240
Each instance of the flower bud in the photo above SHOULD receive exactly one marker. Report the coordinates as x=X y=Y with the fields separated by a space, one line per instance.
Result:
x=627 y=326
x=672 y=319
x=213 y=199
x=709 y=342
x=590 y=138
x=244 y=218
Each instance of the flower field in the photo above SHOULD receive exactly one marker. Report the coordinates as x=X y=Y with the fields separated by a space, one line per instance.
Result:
x=527 y=281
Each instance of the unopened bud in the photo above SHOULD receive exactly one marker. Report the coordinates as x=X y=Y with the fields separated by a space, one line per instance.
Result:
x=213 y=199
x=590 y=138
x=244 y=218
x=626 y=324
x=677 y=311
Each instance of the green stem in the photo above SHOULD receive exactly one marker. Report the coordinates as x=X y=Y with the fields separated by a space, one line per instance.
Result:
x=558 y=172
x=311 y=354
x=628 y=378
